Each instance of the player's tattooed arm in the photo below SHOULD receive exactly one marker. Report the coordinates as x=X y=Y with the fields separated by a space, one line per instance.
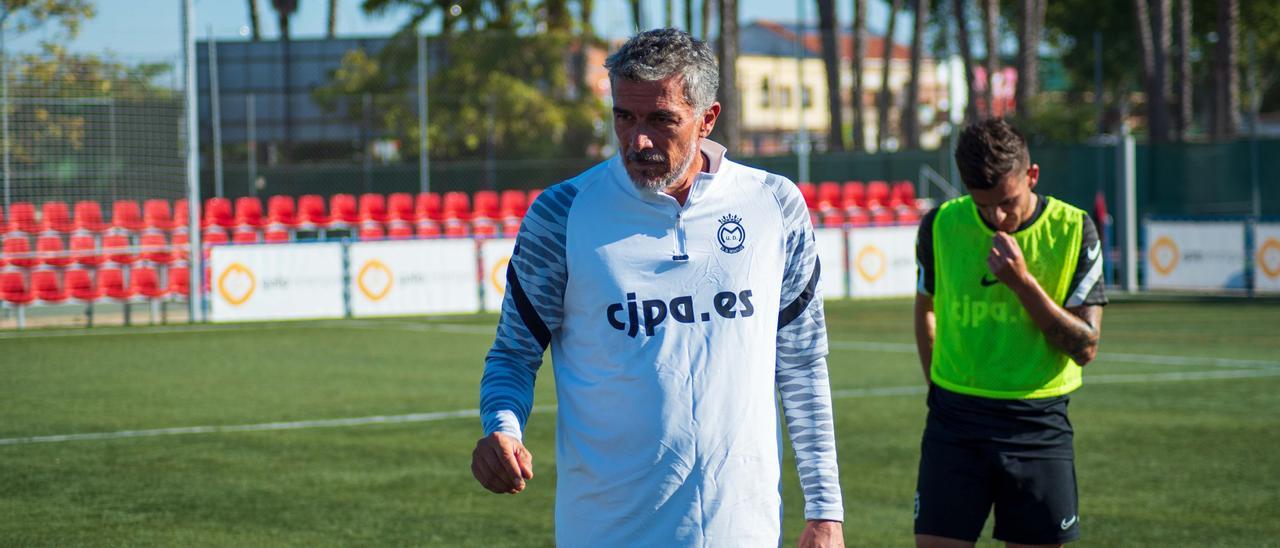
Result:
x=1076 y=332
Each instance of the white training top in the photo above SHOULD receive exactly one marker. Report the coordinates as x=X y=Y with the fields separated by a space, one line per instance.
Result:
x=672 y=331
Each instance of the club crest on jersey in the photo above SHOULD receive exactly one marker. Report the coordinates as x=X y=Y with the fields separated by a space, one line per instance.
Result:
x=731 y=235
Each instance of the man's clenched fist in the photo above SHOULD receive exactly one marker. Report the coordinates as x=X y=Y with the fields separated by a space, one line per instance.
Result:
x=501 y=463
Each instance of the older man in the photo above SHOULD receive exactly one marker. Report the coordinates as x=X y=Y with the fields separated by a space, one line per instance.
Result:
x=678 y=293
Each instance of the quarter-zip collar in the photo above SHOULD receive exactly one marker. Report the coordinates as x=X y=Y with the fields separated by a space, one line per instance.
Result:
x=713 y=154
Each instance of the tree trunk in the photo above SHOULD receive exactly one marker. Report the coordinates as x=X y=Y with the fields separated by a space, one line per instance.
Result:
x=729 y=126
x=910 y=114
x=669 y=20
x=557 y=15
x=636 y=15
x=855 y=97
x=828 y=24
x=706 y=19
x=255 y=28
x=990 y=24
x=885 y=99
x=1182 y=72
x=1157 y=91
x=1030 y=22
x=1227 y=79
x=959 y=8
x=331 y=25
x=585 y=39
x=688 y=16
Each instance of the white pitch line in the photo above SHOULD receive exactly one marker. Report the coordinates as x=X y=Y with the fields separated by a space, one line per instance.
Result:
x=471 y=413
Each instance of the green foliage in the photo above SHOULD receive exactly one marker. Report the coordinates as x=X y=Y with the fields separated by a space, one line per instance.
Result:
x=27 y=15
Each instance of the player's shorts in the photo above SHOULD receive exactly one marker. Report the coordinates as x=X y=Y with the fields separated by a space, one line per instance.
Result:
x=1013 y=455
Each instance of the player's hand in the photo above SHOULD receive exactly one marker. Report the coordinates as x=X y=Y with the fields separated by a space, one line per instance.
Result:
x=1005 y=260
x=501 y=463
x=822 y=534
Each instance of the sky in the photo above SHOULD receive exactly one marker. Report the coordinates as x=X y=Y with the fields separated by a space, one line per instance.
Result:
x=150 y=29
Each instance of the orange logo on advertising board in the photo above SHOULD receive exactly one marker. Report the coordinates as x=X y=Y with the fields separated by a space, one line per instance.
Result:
x=498 y=276
x=236 y=284
x=374 y=280
x=1164 y=255
x=871 y=263
x=1269 y=258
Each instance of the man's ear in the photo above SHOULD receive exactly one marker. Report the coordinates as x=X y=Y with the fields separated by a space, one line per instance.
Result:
x=708 y=121
x=1033 y=176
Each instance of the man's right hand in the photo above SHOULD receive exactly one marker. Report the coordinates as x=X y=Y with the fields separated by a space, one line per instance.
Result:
x=501 y=463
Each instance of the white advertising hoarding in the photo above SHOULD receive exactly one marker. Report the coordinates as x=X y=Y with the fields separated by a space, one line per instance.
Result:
x=831 y=248
x=275 y=282
x=882 y=261
x=495 y=255
x=1266 y=260
x=1194 y=255
x=413 y=277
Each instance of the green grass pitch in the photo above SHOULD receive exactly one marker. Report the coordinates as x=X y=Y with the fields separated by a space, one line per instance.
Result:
x=1176 y=433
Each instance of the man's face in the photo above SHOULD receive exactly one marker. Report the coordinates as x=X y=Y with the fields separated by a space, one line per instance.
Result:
x=658 y=131
x=1009 y=204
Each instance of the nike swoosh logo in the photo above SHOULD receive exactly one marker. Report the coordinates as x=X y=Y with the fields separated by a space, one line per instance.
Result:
x=1093 y=253
x=986 y=282
x=1067 y=523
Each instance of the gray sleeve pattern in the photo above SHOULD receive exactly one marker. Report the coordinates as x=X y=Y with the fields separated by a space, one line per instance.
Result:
x=532 y=310
x=801 y=367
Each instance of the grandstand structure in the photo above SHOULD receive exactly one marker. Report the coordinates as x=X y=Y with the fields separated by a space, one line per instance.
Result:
x=131 y=252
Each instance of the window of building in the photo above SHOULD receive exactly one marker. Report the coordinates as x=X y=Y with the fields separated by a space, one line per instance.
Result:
x=765 y=93
x=784 y=96
x=806 y=97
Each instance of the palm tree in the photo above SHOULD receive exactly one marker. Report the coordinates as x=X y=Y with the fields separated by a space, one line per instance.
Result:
x=688 y=16
x=909 y=114
x=255 y=28
x=284 y=11
x=585 y=41
x=669 y=20
x=1158 y=93
x=885 y=99
x=962 y=25
x=1031 y=21
x=855 y=97
x=707 y=5
x=1182 y=71
x=331 y=26
x=990 y=22
x=827 y=23
x=1226 y=75
x=729 y=126
x=636 y=16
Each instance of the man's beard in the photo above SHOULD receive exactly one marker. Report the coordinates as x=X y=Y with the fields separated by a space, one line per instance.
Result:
x=660 y=183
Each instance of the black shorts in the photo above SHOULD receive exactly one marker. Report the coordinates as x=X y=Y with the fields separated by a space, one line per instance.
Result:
x=1034 y=498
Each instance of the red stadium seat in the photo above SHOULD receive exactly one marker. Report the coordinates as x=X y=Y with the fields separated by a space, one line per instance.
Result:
x=485 y=228
x=56 y=216
x=371 y=232
x=486 y=204
x=833 y=218
x=857 y=217
x=905 y=192
x=111 y=283
x=146 y=282
x=17 y=251
x=282 y=211
x=181 y=245
x=155 y=248
x=213 y=237
x=428 y=228
x=400 y=207
x=179 y=281
x=400 y=231
x=249 y=212
x=157 y=215
x=311 y=212
x=50 y=251
x=126 y=215
x=47 y=287
x=275 y=234
x=22 y=217
x=878 y=194
x=180 y=214
x=829 y=195
x=218 y=212
x=245 y=237
x=429 y=206
x=343 y=210
x=373 y=207
x=84 y=250
x=4 y=226
x=456 y=228
x=810 y=194
x=512 y=203
x=908 y=216
x=14 y=286
x=883 y=216
x=457 y=206
x=89 y=216
x=81 y=286
x=118 y=249
x=854 y=194
x=510 y=226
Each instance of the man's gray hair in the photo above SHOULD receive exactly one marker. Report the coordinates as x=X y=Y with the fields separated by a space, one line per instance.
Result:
x=656 y=54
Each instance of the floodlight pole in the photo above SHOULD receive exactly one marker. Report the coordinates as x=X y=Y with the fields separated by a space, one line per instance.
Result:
x=1128 y=210
x=195 y=291
x=4 y=99
x=215 y=118
x=424 y=161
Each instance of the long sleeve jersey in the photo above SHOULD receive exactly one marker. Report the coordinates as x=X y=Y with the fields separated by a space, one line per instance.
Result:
x=674 y=330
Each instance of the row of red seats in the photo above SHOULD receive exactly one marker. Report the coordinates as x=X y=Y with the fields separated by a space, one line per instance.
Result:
x=50 y=286
x=837 y=218
x=307 y=212
x=854 y=194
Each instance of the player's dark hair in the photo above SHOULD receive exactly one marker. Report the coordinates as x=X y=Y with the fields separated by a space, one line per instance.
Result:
x=988 y=151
